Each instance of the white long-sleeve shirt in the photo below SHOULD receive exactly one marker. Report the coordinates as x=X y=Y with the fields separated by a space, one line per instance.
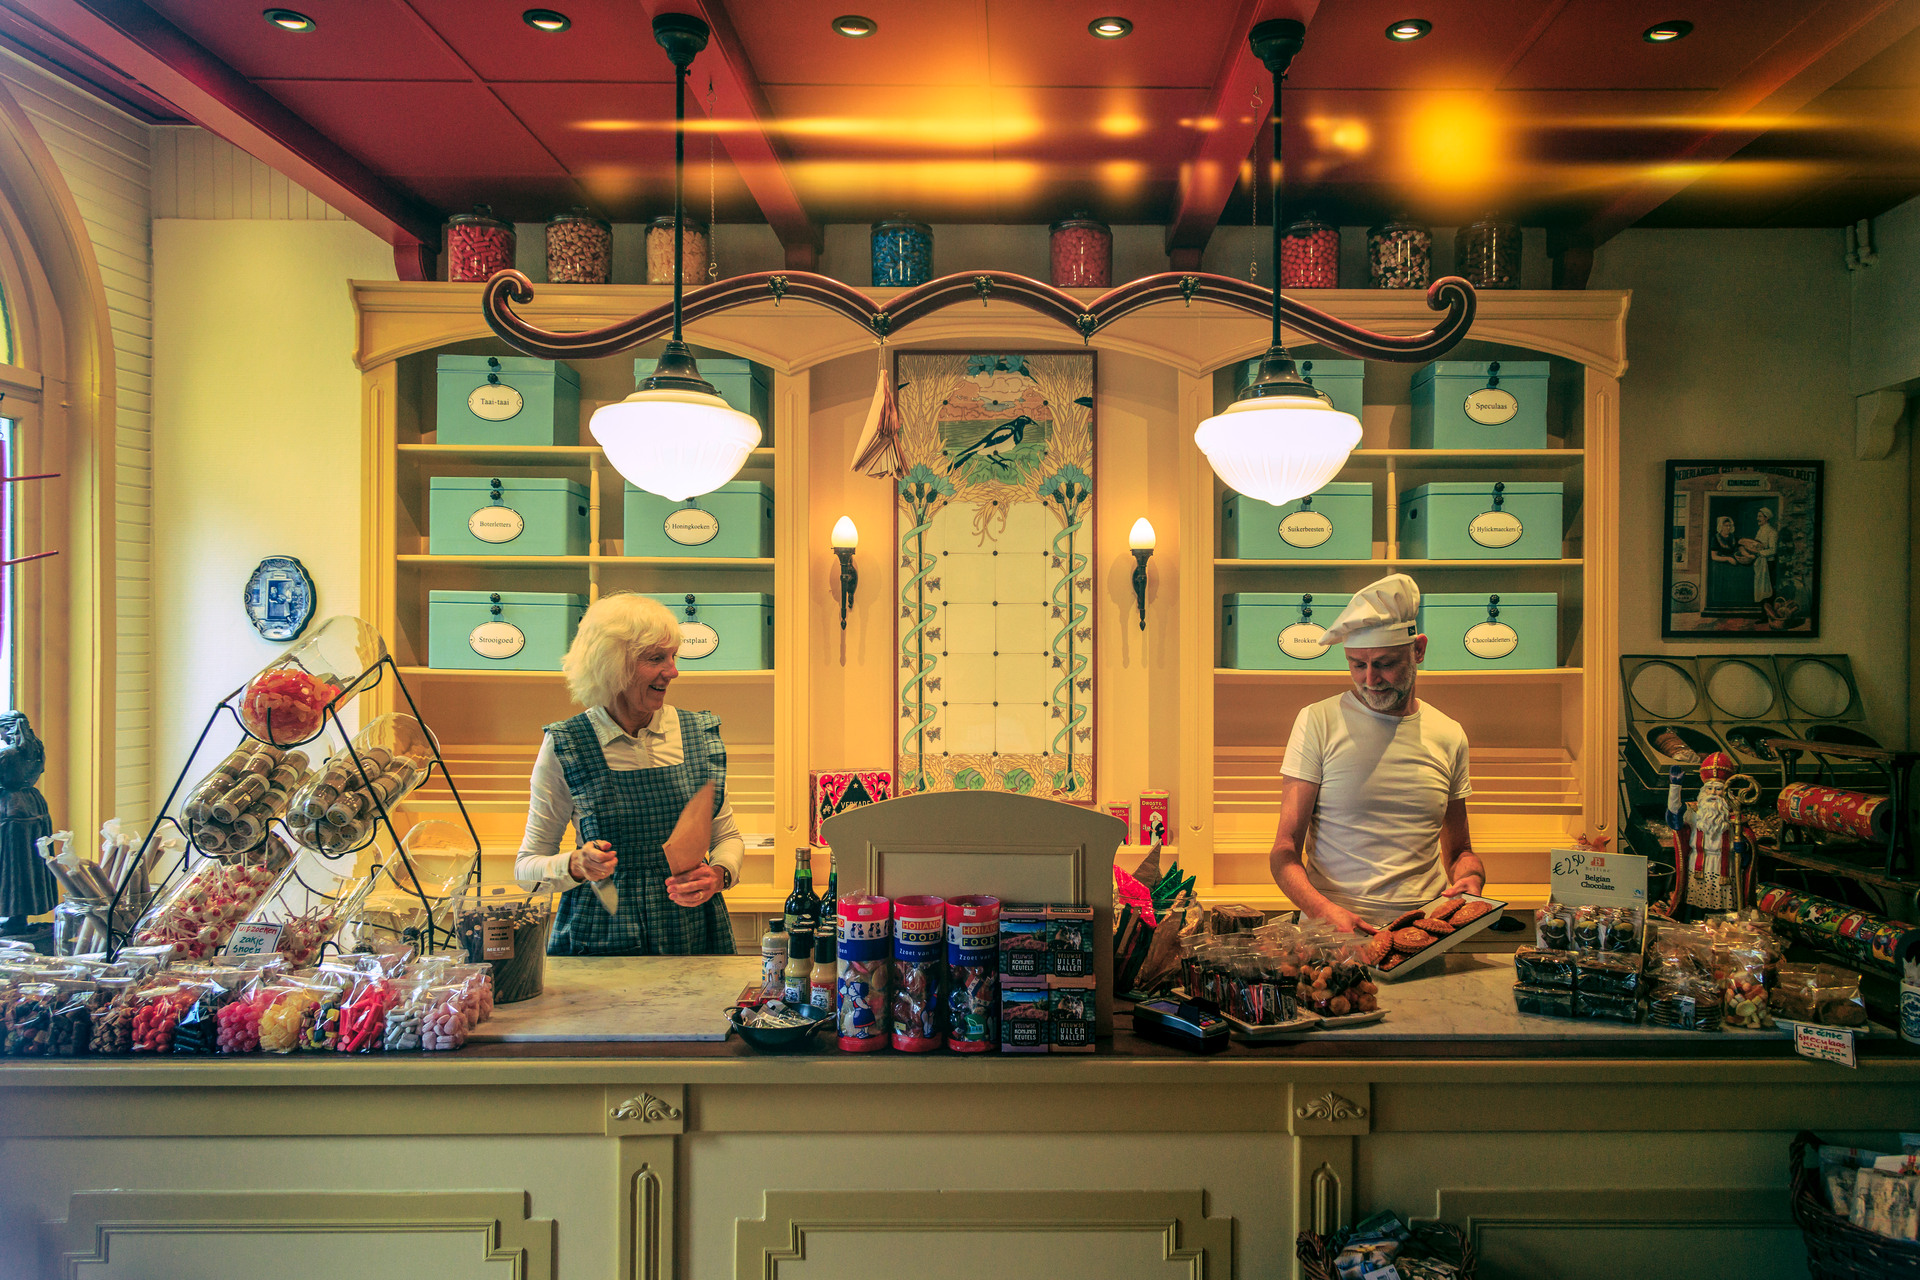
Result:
x=541 y=864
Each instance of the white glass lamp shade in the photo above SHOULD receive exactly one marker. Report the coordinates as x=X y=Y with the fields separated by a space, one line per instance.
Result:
x=678 y=444
x=845 y=536
x=1278 y=448
x=1140 y=537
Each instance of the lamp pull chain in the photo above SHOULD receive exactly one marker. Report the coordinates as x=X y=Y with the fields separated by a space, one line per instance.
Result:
x=713 y=257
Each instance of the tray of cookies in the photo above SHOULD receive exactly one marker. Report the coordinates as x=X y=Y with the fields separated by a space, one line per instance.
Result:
x=1412 y=940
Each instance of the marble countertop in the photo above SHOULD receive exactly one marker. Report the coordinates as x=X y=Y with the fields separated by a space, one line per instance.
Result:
x=625 y=998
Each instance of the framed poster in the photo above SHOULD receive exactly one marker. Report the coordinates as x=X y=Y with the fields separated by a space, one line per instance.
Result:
x=1743 y=553
x=995 y=619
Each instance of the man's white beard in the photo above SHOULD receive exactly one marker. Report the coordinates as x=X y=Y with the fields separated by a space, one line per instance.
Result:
x=1710 y=812
x=1386 y=700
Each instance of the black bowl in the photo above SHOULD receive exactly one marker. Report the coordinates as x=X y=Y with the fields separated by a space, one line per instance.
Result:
x=777 y=1038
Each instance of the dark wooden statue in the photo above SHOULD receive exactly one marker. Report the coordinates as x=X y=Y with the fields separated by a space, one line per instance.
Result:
x=26 y=886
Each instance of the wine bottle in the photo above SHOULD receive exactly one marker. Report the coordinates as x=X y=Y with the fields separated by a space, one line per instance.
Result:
x=803 y=908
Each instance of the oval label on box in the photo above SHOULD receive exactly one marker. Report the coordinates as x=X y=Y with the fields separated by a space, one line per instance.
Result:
x=691 y=527
x=1495 y=529
x=494 y=401
x=496 y=524
x=697 y=640
x=1491 y=406
x=1491 y=640
x=1305 y=529
x=496 y=640
x=1303 y=641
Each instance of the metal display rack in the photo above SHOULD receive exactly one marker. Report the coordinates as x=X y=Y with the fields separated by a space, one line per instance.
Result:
x=1896 y=856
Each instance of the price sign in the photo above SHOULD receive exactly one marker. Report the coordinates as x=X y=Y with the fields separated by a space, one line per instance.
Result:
x=1594 y=878
x=255 y=938
x=1824 y=1044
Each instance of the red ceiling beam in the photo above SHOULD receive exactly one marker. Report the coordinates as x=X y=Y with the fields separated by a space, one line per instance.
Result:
x=1208 y=177
x=742 y=104
x=145 y=47
x=1831 y=42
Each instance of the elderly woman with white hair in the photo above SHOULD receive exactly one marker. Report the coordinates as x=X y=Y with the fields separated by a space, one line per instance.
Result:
x=626 y=773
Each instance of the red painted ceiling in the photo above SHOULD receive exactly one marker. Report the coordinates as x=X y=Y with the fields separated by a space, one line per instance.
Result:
x=1010 y=111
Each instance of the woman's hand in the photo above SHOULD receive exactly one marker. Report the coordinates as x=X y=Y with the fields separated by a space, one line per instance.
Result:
x=693 y=888
x=593 y=861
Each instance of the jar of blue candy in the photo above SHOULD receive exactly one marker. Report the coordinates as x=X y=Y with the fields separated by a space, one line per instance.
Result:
x=902 y=252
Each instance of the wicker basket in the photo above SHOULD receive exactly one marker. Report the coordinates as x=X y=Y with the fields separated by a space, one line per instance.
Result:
x=1430 y=1239
x=1836 y=1249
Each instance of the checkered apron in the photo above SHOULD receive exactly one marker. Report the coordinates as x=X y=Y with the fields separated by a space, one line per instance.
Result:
x=635 y=810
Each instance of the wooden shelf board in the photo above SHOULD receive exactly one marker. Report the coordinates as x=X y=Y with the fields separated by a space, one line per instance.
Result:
x=1437 y=459
x=548 y=453
x=1547 y=675
x=633 y=562
x=555 y=677
x=1294 y=565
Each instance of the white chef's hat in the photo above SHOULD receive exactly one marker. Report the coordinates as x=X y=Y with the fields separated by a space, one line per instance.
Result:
x=1379 y=616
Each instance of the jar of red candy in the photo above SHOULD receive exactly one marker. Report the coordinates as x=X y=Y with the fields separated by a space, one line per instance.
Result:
x=1399 y=255
x=1310 y=255
x=579 y=248
x=1081 y=249
x=693 y=251
x=478 y=244
x=1487 y=253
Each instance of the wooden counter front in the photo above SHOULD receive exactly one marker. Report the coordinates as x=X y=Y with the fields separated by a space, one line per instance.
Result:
x=1572 y=1156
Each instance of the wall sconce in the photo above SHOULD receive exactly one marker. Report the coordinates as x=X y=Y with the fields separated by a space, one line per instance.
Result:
x=1140 y=542
x=845 y=539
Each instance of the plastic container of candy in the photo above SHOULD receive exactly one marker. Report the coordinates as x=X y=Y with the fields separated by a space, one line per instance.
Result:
x=579 y=248
x=197 y=914
x=902 y=252
x=1399 y=255
x=506 y=928
x=865 y=962
x=1310 y=255
x=919 y=972
x=693 y=251
x=230 y=810
x=285 y=703
x=478 y=244
x=339 y=808
x=1080 y=252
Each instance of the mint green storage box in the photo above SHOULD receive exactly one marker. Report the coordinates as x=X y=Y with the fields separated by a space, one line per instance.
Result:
x=1267 y=631
x=1482 y=520
x=734 y=520
x=500 y=630
x=1518 y=630
x=1480 y=404
x=1343 y=380
x=506 y=516
x=723 y=630
x=507 y=400
x=1335 y=523
x=741 y=383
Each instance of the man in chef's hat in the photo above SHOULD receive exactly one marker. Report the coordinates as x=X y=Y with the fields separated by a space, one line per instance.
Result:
x=1374 y=786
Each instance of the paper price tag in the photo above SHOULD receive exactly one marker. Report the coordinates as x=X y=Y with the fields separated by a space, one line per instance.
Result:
x=1824 y=1044
x=1592 y=878
x=255 y=938
x=497 y=939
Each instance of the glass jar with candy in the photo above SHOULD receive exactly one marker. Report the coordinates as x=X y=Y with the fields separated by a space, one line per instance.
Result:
x=1399 y=255
x=902 y=252
x=1080 y=249
x=478 y=244
x=693 y=251
x=579 y=248
x=1310 y=255
x=1487 y=253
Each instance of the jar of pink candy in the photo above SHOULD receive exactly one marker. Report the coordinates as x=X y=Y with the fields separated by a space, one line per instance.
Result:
x=1310 y=255
x=1081 y=252
x=478 y=244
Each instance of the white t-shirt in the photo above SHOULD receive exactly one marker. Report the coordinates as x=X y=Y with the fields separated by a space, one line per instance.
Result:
x=1373 y=843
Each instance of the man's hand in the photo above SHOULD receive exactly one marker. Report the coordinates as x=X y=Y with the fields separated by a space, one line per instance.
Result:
x=693 y=888
x=1472 y=882
x=593 y=861
x=1344 y=921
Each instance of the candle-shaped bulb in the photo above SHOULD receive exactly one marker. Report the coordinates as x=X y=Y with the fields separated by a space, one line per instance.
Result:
x=845 y=536
x=1141 y=539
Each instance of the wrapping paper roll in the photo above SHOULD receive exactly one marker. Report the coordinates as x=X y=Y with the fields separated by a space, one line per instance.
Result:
x=1870 y=941
x=1847 y=813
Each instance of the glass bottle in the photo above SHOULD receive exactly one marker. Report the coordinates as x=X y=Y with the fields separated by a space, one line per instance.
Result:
x=1310 y=255
x=1399 y=255
x=478 y=244
x=1487 y=253
x=803 y=908
x=693 y=251
x=579 y=248
x=902 y=252
x=826 y=931
x=773 y=958
x=1080 y=252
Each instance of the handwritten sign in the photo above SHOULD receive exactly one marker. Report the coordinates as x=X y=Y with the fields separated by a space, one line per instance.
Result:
x=255 y=938
x=1824 y=1044
x=1590 y=878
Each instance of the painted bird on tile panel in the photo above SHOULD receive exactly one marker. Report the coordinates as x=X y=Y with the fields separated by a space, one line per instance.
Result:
x=1007 y=436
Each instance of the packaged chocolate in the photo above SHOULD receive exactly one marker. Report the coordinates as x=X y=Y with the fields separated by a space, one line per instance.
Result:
x=1335 y=971
x=1070 y=940
x=1586 y=928
x=1023 y=940
x=1545 y=1001
x=1621 y=929
x=1540 y=967
x=1071 y=1012
x=1607 y=973
x=1686 y=1002
x=1553 y=929
x=1600 y=1004
x=30 y=1020
x=1026 y=1019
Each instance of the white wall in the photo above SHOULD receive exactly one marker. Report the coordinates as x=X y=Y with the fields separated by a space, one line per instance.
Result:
x=257 y=423
x=1886 y=322
x=1738 y=345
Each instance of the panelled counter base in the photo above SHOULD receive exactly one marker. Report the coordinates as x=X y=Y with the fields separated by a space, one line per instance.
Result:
x=1568 y=1149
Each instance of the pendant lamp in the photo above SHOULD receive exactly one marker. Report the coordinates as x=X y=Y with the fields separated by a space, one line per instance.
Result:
x=1281 y=439
x=674 y=435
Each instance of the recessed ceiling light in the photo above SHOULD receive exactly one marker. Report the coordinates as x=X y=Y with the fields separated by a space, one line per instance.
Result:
x=288 y=20
x=1110 y=28
x=546 y=20
x=1663 y=32
x=853 y=26
x=1409 y=29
